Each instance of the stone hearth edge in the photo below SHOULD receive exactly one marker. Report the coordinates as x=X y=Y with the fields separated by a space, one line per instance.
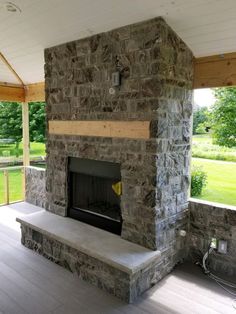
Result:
x=119 y=267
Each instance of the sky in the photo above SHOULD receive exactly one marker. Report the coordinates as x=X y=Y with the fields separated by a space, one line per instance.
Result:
x=204 y=97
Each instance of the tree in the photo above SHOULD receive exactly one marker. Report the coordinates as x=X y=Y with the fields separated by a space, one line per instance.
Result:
x=201 y=129
x=200 y=119
x=37 y=122
x=224 y=117
x=11 y=122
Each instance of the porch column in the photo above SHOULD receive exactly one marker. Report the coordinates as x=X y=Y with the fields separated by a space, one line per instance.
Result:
x=25 y=126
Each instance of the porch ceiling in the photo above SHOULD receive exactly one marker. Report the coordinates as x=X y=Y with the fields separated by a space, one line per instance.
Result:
x=207 y=26
x=6 y=74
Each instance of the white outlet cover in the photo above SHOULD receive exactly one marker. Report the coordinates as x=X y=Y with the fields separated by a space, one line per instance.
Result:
x=222 y=246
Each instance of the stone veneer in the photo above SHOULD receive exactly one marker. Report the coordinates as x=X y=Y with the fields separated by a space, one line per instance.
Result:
x=157 y=73
x=212 y=220
x=123 y=275
x=102 y=275
x=35 y=182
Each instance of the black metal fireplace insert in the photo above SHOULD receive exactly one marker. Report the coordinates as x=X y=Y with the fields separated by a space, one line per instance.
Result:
x=94 y=193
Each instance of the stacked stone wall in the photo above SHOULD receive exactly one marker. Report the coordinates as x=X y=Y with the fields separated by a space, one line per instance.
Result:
x=157 y=73
x=211 y=220
x=35 y=192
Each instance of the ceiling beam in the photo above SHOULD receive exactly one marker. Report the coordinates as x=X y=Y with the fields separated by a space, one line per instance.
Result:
x=215 y=71
x=12 y=93
x=28 y=93
x=25 y=93
x=35 y=92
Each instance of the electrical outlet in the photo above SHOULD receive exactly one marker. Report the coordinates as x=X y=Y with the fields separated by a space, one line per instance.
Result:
x=213 y=243
x=222 y=246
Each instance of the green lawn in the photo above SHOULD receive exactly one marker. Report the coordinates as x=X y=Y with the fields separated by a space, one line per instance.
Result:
x=15 y=186
x=15 y=176
x=204 y=148
x=221 y=181
x=36 y=149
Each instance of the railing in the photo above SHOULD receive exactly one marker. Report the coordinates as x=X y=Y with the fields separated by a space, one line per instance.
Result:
x=6 y=186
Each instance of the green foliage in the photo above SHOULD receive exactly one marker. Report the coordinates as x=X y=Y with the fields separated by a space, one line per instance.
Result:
x=11 y=121
x=201 y=129
x=37 y=122
x=223 y=117
x=200 y=119
x=198 y=181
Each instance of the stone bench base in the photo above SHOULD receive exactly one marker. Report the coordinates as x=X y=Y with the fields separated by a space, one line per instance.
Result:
x=115 y=265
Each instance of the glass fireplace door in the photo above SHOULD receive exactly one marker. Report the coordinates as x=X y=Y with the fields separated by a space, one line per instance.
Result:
x=95 y=189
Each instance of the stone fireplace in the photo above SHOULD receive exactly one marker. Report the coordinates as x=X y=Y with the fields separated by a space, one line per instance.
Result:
x=156 y=78
x=119 y=154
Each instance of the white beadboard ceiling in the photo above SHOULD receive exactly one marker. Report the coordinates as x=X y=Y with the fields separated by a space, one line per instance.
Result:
x=207 y=27
x=6 y=75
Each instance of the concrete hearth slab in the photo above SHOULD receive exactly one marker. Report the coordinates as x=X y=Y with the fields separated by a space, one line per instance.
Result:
x=115 y=265
x=99 y=244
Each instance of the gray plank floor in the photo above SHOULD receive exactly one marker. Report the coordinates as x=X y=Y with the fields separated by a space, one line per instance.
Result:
x=31 y=284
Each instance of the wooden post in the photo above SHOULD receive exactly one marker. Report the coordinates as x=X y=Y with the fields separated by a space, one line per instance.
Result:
x=191 y=148
x=6 y=186
x=26 y=143
x=23 y=176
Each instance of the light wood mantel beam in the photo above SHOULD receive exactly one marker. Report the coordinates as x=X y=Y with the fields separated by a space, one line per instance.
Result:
x=215 y=71
x=120 y=129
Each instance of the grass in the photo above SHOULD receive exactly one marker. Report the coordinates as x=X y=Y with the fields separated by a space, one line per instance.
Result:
x=15 y=176
x=204 y=148
x=36 y=149
x=221 y=181
x=15 y=185
x=221 y=176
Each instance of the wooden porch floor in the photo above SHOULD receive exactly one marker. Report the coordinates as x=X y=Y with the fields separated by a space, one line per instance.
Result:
x=31 y=284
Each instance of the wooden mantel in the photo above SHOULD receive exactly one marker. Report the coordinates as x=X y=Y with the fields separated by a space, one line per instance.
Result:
x=121 y=129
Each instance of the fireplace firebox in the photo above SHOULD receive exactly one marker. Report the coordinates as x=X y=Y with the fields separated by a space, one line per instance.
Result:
x=94 y=193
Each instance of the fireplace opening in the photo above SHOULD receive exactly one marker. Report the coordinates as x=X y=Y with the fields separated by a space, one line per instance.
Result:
x=94 y=193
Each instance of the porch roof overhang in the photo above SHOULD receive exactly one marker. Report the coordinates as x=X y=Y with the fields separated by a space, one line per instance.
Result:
x=207 y=27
